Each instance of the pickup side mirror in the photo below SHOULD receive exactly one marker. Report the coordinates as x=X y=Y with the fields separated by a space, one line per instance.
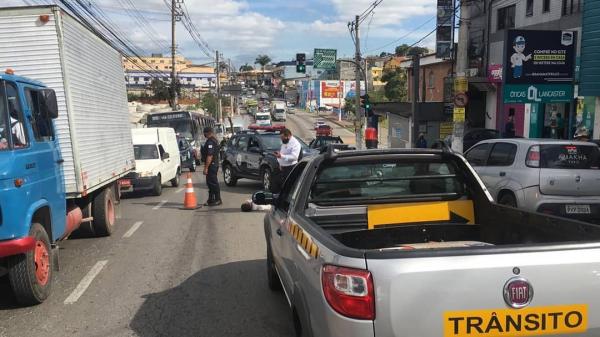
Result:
x=166 y=155
x=48 y=105
x=264 y=198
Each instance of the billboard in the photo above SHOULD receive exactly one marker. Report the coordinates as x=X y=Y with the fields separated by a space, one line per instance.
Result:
x=539 y=56
x=330 y=89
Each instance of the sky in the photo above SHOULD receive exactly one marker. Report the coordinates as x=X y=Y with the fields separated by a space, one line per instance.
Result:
x=242 y=29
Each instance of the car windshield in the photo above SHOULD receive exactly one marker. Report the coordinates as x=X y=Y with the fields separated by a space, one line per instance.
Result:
x=386 y=180
x=279 y=111
x=262 y=117
x=145 y=151
x=561 y=156
x=182 y=127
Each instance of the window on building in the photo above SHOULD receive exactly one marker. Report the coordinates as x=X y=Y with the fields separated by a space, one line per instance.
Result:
x=162 y=61
x=529 y=8
x=546 y=7
x=146 y=79
x=571 y=7
x=156 y=67
x=506 y=17
x=431 y=80
x=136 y=79
x=189 y=79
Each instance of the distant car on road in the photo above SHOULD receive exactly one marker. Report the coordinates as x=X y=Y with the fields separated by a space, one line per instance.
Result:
x=319 y=123
x=324 y=130
x=321 y=142
x=250 y=155
x=558 y=177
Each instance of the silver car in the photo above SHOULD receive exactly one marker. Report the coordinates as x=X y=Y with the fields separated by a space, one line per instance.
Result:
x=558 y=177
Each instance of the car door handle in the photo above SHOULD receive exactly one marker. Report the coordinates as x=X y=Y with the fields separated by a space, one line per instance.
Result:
x=502 y=174
x=279 y=232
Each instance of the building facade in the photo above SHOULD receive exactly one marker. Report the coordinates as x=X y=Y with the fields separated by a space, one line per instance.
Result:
x=496 y=30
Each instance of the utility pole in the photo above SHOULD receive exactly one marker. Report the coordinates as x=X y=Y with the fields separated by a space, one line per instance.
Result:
x=358 y=121
x=174 y=16
x=416 y=69
x=219 y=113
x=461 y=68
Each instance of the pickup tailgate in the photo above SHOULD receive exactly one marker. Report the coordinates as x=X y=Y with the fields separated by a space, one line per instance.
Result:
x=464 y=295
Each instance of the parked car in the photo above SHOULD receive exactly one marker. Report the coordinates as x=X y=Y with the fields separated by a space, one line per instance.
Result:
x=250 y=155
x=410 y=243
x=321 y=142
x=157 y=160
x=558 y=177
x=186 y=152
x=474 y=136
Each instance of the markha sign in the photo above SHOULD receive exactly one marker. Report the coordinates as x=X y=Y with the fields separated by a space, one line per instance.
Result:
x=556 y=93
x=539 y=56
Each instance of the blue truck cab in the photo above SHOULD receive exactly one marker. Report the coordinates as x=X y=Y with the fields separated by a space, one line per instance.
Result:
x=33 y=207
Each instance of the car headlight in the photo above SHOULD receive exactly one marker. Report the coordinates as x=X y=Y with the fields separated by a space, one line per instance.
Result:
x=146 y=174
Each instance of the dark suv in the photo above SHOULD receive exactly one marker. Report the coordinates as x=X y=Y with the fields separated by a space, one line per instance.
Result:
x=250 y=155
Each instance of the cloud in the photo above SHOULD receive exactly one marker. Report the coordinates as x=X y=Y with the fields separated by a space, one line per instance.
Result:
x=389 y=12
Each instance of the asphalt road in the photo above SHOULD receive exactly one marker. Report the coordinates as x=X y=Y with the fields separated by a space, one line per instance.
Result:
x=302 y=125
x=164 y=272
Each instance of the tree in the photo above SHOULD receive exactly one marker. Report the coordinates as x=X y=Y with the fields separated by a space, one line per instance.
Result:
x=396 y=86
x=406 y=50
x=385 y=54
x=209 y=103
x=263 y=60
x=246 y=67
x=350 y=106
x=160 y=90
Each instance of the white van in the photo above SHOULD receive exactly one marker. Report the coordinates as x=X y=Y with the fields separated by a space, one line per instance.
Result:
x=263 y=119
x=157 y=159
x=278 y=110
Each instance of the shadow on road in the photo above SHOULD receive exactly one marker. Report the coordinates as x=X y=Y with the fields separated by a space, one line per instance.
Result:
x=225 y=300
x=7 y=300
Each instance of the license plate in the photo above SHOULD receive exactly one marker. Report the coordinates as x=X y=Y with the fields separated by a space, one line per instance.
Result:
x=578 y=209
x=534 y=321
x=125 y=182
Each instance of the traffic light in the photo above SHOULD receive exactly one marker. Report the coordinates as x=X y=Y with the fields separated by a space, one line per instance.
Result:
x=364 y=102
x=301 y=63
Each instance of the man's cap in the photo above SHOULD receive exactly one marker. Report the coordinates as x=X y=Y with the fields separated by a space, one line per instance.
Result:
x=208 y=129
x=519 y=40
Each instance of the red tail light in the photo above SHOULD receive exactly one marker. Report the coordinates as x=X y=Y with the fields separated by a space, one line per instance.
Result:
x=349 y=292
x=533 y=157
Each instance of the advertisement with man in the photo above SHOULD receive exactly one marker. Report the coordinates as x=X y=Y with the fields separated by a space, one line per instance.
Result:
x=539 y=57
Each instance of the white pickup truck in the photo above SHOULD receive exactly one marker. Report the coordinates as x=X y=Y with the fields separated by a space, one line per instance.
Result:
x=410 y=243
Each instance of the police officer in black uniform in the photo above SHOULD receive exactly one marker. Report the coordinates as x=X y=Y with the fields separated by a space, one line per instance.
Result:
x=210 y=157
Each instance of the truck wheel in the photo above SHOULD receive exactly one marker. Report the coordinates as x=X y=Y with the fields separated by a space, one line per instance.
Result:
x=31 y=274
x=157 y=190
x=272 y=278
x=229 y=176
x=267 y=179
x=508 y=200
x=175 y=181
x=104 y=211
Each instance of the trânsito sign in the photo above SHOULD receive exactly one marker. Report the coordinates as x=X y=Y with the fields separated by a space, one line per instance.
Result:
x=539 y=56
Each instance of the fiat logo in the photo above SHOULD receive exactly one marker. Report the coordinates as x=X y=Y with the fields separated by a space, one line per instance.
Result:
x=518 y=292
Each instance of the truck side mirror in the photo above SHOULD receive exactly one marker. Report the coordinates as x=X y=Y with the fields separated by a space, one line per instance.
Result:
x=48 y=105
x=166 y=155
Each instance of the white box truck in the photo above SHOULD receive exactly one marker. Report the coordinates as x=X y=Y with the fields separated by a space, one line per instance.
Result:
x=66 y=86
x=278 y=110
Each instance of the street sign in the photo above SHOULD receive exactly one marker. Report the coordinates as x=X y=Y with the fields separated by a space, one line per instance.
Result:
x=325 y=59
x=459 y=114
x=538 y=93
x=461 y=85
x=461 y=100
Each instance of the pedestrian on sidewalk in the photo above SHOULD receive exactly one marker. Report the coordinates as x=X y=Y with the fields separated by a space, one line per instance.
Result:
x=287 y=157
x=210 y=154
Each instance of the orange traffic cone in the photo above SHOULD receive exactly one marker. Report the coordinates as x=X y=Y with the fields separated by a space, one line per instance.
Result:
x=189 y=201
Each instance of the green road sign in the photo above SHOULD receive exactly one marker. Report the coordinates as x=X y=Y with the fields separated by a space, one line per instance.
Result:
x=325 y=59
x=538 y=93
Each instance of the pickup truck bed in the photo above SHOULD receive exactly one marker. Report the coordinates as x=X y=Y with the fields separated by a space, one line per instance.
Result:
x=364 y=244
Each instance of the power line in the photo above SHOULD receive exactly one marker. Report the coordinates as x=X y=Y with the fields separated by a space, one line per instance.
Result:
x=403 y=36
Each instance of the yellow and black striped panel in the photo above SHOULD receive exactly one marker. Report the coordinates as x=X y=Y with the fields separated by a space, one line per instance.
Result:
x=304 y=240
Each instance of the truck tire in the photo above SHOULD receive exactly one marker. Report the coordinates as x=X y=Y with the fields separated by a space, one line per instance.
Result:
x=229 y=175
x=175 y=181
x=157 y=189
x=31 y=274
x=272 y=277
x=104 y=212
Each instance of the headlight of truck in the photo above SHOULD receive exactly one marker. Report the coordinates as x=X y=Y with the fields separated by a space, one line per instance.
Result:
x=146 y=174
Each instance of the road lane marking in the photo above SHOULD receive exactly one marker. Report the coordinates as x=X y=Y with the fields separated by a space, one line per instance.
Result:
x=133 y=229
x=160 y=204
x=180 y=190
x=85 y=282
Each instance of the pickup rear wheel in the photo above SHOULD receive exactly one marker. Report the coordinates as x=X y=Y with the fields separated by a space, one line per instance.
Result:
x=229 y=176
x=272 y=278
x=104 y=211
x=31 y=274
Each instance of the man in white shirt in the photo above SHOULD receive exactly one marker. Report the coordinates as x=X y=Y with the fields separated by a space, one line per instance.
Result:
x=288 y=155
